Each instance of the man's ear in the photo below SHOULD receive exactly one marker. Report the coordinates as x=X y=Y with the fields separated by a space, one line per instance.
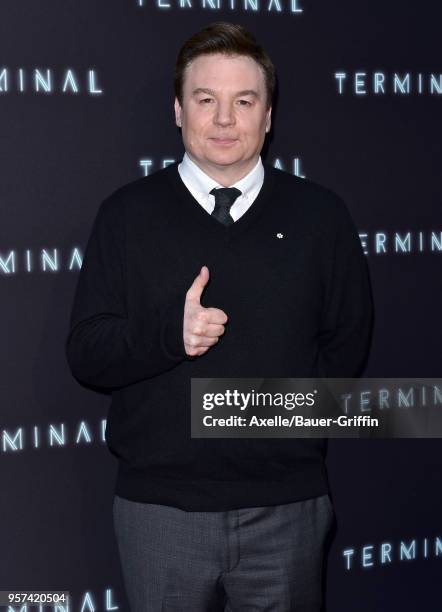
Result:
x=177 y=112
x=269 y=120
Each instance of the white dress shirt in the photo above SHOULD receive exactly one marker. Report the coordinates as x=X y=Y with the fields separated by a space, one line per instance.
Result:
x=200 y=184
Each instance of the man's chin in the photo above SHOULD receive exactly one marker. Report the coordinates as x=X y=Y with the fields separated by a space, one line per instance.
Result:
x=223 y=160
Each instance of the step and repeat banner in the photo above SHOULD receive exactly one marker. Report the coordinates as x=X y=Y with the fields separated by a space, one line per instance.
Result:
x=86 y=105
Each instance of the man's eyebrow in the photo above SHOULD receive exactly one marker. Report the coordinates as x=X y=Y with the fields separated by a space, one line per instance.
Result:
x=244 y=92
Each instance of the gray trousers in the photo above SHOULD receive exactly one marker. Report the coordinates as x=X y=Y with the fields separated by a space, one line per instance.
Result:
x=260 y=559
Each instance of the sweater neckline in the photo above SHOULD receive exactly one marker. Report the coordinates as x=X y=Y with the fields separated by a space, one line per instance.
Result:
x=194 y=209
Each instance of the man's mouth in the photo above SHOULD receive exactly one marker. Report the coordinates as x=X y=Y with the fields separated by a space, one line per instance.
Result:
x=224 y=141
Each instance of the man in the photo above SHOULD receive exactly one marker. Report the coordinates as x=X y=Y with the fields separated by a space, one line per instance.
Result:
x=219 y=266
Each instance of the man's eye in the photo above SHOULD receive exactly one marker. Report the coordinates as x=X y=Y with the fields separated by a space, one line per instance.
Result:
x=242 y=102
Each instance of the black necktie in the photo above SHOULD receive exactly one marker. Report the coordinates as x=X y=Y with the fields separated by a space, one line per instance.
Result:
x=224 y=198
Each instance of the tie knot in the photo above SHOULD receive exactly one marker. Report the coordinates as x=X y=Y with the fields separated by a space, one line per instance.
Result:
x=225 y=196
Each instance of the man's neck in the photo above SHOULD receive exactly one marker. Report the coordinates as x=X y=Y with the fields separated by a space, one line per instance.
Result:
x=227 y=175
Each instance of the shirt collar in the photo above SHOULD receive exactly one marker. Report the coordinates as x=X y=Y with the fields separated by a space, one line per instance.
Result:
x=203 y=183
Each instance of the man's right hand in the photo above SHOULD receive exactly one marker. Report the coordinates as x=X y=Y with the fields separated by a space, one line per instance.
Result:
x=201 y=326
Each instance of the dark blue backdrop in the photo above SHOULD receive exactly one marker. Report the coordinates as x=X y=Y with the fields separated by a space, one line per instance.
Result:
x=108 y=119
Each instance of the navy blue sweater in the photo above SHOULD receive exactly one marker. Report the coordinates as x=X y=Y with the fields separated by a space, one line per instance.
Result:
x=298 y=306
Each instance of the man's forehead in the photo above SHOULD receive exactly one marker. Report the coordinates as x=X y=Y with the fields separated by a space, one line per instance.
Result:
x=207 y=71
x=219 y=62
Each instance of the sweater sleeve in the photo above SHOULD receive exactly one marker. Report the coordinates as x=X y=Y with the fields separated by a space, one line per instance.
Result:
x=105 y=346
x=347 y=319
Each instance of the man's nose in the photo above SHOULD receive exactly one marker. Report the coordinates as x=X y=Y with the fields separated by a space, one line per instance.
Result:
x=224 y=114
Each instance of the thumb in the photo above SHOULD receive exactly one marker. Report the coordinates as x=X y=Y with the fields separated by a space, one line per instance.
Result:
x=198 y=284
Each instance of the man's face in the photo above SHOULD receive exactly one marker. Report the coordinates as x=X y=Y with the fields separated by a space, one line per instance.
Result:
x=223 y=122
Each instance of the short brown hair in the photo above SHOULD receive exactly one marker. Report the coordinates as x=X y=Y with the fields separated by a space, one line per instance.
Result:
x=230 y=39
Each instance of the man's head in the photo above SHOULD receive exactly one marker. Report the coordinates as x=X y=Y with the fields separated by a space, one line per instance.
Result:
x=224 y=86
